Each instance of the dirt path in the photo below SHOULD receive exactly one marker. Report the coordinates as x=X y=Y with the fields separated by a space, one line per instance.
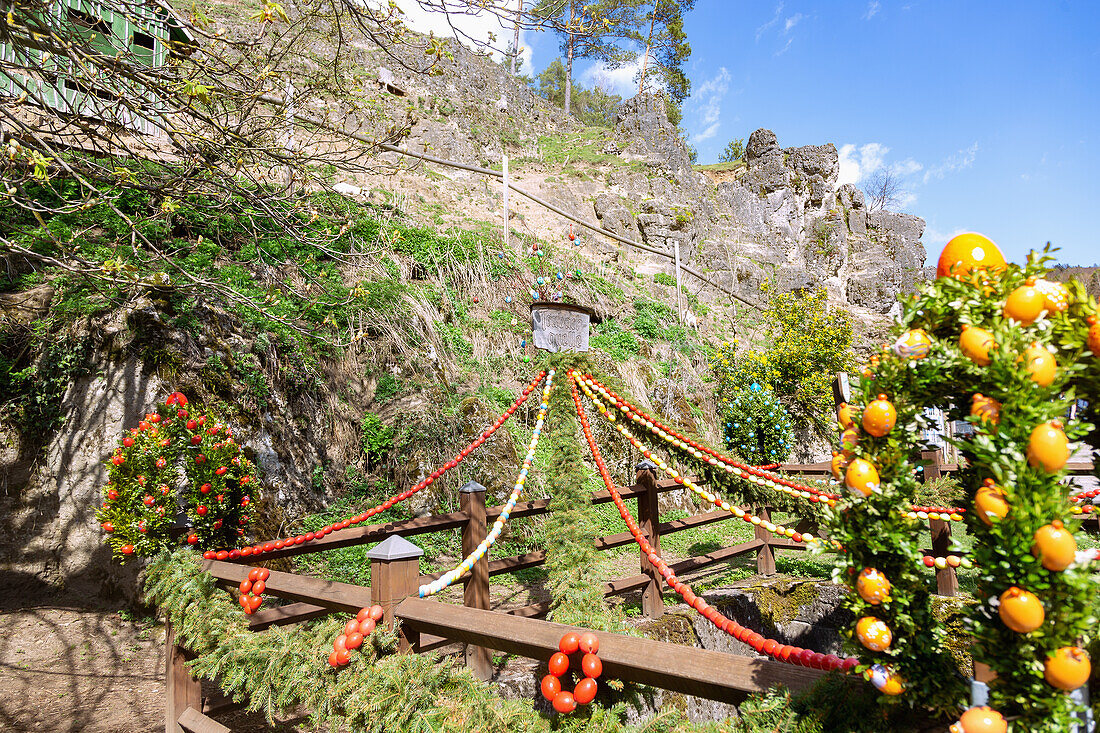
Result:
x=64 y=668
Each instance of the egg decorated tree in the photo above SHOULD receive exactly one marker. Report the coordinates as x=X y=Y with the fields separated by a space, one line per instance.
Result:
x=997 y=345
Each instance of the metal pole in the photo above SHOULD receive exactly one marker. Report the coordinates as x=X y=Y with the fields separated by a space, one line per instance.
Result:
x=506 y=202
x=679 y=303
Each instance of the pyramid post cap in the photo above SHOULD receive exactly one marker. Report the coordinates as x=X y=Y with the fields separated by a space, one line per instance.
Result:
x=471 y=487
x=645 y=465
x=394 y=547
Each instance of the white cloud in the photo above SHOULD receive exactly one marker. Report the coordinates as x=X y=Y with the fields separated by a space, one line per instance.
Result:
x=711 y=92
x=905 y=168
x=775 y=19
x=785 y=48
x=952 y=163
x=872 y=9
x=482 y=25
x=792 y=22
x=858 y=163
x=935 y=239
x=619 y=80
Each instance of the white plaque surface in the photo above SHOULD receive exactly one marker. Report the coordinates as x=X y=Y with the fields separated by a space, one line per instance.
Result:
x=558 y=327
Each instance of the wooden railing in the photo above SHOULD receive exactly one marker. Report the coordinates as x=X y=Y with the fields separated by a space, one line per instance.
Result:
x=428 y=625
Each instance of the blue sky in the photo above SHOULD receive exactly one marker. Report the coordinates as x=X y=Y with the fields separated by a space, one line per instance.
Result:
x=989 y=111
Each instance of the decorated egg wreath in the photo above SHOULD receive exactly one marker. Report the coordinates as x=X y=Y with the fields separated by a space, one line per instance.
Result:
x=997 y=345
x=571 y=643
x=171 y=459
x=356 y=631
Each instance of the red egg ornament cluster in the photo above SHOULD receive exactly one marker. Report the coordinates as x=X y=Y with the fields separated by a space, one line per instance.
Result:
x=252 y=589
x=564 y=701
x=355 y=632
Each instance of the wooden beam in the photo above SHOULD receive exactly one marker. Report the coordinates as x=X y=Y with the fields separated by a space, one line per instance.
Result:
x=700 y=672
x=192 y=721
x=361 y=535
x=315 y=591
x=291 y=613
x=184 y=691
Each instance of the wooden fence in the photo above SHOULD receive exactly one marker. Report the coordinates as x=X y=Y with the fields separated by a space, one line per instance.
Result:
x=430 y=624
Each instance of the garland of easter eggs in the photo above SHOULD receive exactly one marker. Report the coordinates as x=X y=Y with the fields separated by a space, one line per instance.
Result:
x=272 y=545
x=784 y=652
x=708 y=455
x=355 y=633
x=990 y=342
x=143 y=492
x=572 y=643
x=470 y=560
x=707 y=496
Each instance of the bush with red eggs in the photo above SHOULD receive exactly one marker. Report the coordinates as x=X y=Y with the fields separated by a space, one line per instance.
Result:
x=172 y=459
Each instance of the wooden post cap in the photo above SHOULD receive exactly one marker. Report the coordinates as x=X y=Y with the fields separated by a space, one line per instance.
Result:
x=394 y=547
x=471 y=487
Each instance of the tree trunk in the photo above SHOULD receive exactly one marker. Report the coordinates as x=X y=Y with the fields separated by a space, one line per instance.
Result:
x=515 y=38
x=569 y=60
x=648 y=43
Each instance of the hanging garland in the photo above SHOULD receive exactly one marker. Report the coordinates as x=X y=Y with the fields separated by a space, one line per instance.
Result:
x=302 y=539
x=776 y=650
x=470 y=560
x=171 y=460
x=999 y=346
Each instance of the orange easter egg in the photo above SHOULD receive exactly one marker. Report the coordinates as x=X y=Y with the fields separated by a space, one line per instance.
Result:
x=967 y=252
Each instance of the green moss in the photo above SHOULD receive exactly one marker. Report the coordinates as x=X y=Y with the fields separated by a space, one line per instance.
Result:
x=781 y=603
x=951 y=614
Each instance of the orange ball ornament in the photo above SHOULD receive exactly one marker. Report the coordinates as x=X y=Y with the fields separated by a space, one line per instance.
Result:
x=913 y=344
x=1094 y=336
x=1021 y=610
x=990 y=503
x=861 y=477
x=1025 y=304
x=981 y=720
x=975 y=343
x=985 y=409
x=839 y=462
x=879 y=417
x=1040 y=364
x=872 y=586
x=873 y=634
x=1048 y=446
x=1055 y=295
x=1054 y=546
x=844 y=416
x=969 y=252
x=885 y=680
x=1068 y=668
x=849 y=439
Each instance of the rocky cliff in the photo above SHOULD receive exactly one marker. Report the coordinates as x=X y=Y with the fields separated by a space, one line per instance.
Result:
x=781 y=220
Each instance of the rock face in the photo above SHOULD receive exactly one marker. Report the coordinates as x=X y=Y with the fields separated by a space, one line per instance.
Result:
x=785 y=220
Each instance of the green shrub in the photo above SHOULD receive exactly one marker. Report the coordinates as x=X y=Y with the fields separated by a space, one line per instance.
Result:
x=663 y=278
x=376 y=436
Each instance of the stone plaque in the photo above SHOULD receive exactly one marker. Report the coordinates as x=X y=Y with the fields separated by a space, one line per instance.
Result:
x=560 y=326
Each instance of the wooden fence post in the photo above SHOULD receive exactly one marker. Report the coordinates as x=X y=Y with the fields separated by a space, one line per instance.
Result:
x=184 y=691
x=765 y=556
x=471 y=499
x=649 y=519
x=947 y=580
x=394 y=576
